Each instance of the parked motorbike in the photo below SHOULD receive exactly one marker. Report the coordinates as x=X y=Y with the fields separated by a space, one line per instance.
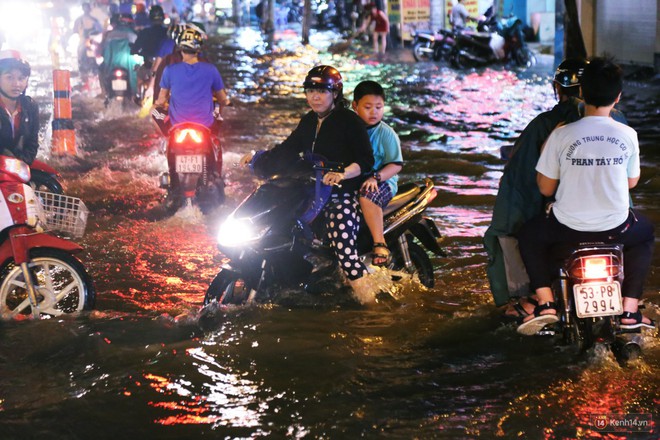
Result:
x=271 y=242
x=43 y=177
x=39 y=274
x=589 y=301
x=502 y=44
x=433 y=47
x=194 y=158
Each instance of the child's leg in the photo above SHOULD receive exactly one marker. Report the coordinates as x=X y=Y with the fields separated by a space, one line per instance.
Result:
x=373 y=216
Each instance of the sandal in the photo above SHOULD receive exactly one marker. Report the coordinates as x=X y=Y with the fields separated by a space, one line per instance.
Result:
x=380 y=259
x=639 y=321
x=539 y=321
x=518 y=309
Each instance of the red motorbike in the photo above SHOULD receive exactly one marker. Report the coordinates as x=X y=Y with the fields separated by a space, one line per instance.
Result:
x=194 y=158
x=39 y=274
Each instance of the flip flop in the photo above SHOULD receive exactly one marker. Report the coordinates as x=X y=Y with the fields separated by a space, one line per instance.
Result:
x=531 y=327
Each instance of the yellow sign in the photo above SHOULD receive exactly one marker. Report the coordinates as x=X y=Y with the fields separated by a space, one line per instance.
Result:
x=414 y=11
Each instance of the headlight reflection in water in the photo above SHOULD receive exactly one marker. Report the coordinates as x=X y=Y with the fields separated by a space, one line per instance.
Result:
x=225 y=400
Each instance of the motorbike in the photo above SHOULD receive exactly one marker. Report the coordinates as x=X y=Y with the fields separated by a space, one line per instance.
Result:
x=270 y=240
x=39 y=274
x=117 y=86
x=589 y=300
x=503 y=42
x=194 y=158
x=427 y=46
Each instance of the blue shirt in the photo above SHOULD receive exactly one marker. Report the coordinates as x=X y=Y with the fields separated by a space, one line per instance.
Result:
x=166 y=47
x=387 y=149
x=191 y=89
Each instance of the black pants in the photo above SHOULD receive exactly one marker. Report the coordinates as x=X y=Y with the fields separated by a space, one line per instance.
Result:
x=537 y=238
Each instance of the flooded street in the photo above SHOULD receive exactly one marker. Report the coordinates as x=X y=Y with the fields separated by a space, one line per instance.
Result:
x=434 y=363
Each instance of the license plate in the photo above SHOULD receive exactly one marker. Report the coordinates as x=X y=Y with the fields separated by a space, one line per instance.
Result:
x=119 y=85
x=598 y=299
x=189 y=164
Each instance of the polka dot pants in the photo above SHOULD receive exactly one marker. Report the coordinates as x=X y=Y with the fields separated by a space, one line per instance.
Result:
x=342 y=225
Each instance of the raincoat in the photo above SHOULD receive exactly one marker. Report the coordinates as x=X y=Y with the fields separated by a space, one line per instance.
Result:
x=117 y=53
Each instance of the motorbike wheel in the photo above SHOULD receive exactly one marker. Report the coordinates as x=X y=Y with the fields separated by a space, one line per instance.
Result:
x=228 y=288
x=421 y=261
x=61 y=281
x=41 y=181
x=460 y=61
x=525 y=57
x=418 y=51
x=442 y=52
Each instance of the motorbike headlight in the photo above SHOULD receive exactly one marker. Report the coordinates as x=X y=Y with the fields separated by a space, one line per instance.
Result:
x=235 y=232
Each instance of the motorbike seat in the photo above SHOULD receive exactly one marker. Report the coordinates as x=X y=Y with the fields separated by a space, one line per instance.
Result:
x=406 y=193
x=478 y=35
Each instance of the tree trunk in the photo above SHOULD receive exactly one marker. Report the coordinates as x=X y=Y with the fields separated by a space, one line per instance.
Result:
x=307 y=21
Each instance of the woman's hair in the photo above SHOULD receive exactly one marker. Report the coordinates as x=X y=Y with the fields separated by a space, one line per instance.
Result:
x=368 y=88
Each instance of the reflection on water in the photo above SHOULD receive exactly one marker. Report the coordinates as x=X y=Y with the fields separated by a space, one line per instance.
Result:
x=427 y=363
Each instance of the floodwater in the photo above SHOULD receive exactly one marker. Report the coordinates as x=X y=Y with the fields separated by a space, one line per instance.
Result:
x=432 y=363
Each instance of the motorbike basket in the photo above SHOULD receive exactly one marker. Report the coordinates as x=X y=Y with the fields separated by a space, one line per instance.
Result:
x=65 y=215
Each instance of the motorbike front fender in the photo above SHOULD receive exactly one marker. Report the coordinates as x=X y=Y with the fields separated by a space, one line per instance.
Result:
x=23 y=239
x=428 y=234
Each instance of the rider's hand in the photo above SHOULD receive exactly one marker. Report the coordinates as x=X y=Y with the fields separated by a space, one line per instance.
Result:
x=333 y=178
x=369 y=185
x=246 y=159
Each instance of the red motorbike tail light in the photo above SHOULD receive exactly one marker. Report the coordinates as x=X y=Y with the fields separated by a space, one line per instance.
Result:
x=595 y=267
x=182 y=135
x=118 y=73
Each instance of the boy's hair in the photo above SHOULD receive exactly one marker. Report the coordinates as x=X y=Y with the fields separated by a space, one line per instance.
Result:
x=602 y=82
x=368 y=88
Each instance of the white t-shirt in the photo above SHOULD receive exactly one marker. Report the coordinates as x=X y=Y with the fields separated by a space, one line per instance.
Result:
x=592 y=158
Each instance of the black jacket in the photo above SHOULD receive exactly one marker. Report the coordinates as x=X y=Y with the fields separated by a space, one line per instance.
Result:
x=25 y=144
x=342 y=138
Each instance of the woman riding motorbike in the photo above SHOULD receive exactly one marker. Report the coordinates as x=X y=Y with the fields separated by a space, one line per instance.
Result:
x=333 y=131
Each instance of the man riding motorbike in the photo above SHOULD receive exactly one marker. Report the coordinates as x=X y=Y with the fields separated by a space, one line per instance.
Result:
x=19 y=114
x=188 y=90
x=147 y=44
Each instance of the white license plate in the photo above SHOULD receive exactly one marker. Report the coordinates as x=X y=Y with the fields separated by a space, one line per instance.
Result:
x=119 y=85
x=189 y=164
x=598 y=299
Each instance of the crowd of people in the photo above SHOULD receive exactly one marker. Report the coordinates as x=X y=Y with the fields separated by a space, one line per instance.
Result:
x=187 y=88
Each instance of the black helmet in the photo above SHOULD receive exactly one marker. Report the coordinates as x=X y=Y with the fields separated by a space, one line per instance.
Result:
x=156 y=13
x=324 y=77
x=569 y=72
x=12 y=59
